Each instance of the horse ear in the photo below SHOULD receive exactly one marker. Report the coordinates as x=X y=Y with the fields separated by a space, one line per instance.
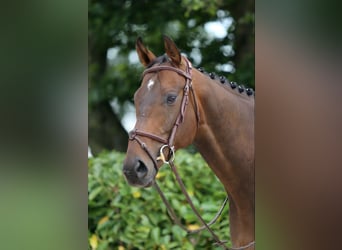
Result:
x=145 y=55
x=172 y=50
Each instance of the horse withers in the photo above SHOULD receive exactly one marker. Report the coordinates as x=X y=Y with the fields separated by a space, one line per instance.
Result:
x=177 y=105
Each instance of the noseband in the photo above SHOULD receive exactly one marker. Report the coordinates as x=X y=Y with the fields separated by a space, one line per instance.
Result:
x=168 y=143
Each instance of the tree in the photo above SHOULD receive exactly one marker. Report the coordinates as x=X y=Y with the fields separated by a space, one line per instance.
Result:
x=114 y=27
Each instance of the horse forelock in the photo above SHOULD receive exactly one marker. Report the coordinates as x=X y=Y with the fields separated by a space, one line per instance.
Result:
x=158 y=60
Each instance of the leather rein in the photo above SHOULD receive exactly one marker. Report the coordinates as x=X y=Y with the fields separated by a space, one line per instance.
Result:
x=169 y=144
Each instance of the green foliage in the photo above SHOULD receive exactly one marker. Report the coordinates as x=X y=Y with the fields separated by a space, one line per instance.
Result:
x=207 y=6
x=124 y=217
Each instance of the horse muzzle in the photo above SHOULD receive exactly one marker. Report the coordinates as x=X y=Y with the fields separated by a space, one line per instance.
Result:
x=137 y=173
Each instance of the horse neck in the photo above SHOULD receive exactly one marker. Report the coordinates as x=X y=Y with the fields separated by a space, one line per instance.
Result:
x=225 y=136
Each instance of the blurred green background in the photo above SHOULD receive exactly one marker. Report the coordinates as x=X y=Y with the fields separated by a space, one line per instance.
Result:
x=124 y=217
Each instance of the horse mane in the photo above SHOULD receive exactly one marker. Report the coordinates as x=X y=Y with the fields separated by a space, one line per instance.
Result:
x=225 y=82
x=219 y=79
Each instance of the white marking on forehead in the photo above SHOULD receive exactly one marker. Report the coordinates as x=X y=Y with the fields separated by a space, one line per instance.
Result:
x=150 y=84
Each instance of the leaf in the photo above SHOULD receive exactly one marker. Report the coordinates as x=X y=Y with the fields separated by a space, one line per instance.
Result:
x=103 y=220
x=209 y=207
x=193 y=226
x=93 y=241
x=137 y=194
x=166 y=239
x=178 y=232
x=95 y=192
x=155 y=233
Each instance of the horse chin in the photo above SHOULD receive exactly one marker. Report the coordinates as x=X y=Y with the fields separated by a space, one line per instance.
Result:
x=142 y=183
x=149 y=184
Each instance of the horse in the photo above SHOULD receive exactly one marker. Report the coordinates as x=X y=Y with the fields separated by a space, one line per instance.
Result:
x=178 y=105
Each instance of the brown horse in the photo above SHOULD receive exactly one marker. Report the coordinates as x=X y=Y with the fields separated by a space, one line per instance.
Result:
x=219 y=121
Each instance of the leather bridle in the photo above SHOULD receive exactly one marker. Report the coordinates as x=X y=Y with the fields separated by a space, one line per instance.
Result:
x=169 y=143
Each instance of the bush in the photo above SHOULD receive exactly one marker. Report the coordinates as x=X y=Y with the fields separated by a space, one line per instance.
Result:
x=124 y=217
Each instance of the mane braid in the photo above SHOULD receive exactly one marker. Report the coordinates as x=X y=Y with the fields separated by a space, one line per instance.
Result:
x=233 y=85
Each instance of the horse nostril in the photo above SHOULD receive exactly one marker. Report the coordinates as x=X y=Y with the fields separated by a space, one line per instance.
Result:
x=141 y=169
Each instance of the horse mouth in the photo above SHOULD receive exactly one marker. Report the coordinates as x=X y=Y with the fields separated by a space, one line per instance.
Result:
x=149 y=184
x=142 y=183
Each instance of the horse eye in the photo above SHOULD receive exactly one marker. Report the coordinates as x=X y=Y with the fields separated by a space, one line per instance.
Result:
x=171 y=99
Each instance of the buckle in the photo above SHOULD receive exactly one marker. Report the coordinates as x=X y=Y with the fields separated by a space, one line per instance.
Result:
x=162 y=156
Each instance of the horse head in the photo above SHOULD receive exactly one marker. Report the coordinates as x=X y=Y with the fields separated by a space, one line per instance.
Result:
x=160 y=102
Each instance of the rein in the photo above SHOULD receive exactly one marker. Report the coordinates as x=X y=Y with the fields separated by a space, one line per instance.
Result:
x=169 y=143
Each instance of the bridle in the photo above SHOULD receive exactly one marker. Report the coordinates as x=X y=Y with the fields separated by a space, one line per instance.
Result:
x=169 y=144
